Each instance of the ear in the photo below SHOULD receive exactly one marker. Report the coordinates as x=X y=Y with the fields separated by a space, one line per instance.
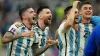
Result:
x=40 y=16
x=67 y=15
x=24 y=17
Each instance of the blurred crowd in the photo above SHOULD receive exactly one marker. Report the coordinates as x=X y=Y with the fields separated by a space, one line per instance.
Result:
x=9 y=14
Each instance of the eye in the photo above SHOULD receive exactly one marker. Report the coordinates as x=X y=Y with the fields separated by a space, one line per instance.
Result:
x=31 y=11
x=47 y=12
x=90 y=8
x=76 y=12
x=85 y=8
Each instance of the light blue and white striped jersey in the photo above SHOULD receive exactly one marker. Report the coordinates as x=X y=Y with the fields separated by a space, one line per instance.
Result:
x=66 y=41
x=41 y=36
x=84 y=31
x=20 y=46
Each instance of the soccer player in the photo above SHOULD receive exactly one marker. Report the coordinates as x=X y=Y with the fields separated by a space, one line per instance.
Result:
x=66 y=31
x=80 y=32
x=85 y=27
x=42 y=29
x=20 y=35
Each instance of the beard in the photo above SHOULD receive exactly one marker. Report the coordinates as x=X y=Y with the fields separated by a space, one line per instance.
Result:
x=46 y=22
x=76 y=20
x=31 y=21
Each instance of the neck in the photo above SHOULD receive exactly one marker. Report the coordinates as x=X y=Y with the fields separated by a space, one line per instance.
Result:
x=41 y=24
x=26 y=23
x=85 y=20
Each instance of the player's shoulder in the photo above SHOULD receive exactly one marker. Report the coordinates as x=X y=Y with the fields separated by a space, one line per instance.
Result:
x=64 y=21
x=95 y=17
x=17 y=24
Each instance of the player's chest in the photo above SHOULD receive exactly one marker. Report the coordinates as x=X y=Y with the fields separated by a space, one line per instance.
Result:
x=85 y=29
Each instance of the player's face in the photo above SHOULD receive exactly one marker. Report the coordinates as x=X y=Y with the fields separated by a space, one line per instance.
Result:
x=30 y=14
x=76 y=16
x=86 y=11
x=47 y=16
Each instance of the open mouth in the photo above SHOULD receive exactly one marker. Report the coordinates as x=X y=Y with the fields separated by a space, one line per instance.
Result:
x=76 y=18
x=49 y=18
x=33 y=18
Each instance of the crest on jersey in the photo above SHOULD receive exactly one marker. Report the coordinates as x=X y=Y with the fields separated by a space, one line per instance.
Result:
x=13 y=30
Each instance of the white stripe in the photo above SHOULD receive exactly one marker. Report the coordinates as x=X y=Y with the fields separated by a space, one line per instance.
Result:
x=61 y=32
x=74 y=38
x=90 y=27
x=14 y=47
x=82 y=39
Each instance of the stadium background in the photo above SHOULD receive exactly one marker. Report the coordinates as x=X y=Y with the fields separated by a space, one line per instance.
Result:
x=9 y=14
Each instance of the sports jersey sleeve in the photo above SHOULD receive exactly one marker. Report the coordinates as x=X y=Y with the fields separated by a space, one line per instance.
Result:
x=95 y=20
x=61 y=28
x=13 y=28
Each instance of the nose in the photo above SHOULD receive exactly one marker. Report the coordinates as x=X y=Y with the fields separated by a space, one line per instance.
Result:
x=34 y=13
x=50 y=14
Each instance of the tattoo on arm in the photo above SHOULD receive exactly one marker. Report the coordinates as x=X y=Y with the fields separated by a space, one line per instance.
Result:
x=38 y=51
x=9 y=37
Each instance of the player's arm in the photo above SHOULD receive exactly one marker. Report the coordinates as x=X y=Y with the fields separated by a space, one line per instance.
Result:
x=13 y=34
x=95 y=20
x=56 y=38
x=9 y=36
x=56 y=35
x=38 y=51
x=70 y=18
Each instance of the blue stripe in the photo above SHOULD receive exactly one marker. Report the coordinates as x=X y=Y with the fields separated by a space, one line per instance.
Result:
x=19 y=44
x=77 y=41
x=43 y=36
x=37 y=31
x=43 y=39
x=28 y=45
x=87 y=33
x=60 y=45
x=71 y=42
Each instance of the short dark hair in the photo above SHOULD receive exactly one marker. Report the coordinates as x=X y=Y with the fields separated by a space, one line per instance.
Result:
x=22 y=10
x=85 y=2
x=67 y=9
x=41 y=8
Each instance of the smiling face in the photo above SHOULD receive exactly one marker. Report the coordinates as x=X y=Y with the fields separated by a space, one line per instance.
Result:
x=46 y=16
x=86 y=11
